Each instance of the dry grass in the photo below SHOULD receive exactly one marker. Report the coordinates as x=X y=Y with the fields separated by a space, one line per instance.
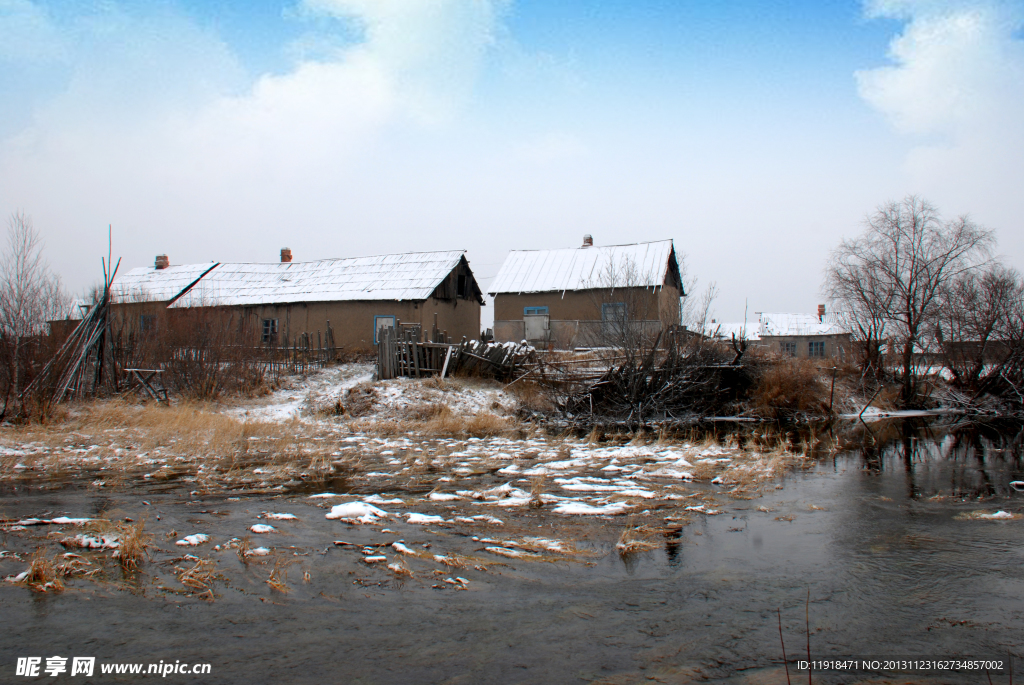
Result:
x=243 y=549
x=278 y=579
x=634 y=539
x=789 y=386
x=360 y=400
x=451 y=560
x=435 y=382
x=44 y=573
x=440 y=420
x=531 y=396
x=400 y=568
x=133 y=543
x=536 y=490
x=193 y=428
x=129 y=437
x=199 y=578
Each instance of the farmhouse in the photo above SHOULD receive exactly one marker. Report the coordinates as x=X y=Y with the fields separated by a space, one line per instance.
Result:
x=581 y=296
x=806 y=335
x=281 y=301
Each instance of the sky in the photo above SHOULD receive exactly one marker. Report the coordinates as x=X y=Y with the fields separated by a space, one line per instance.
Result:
x=756 y=135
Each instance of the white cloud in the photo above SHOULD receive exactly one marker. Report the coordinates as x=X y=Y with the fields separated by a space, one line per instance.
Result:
x=433 y=48
x=956 y=86
x=156 y=133
x=956 y=64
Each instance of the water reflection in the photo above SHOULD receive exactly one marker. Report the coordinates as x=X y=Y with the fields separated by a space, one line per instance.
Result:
x=967 y=462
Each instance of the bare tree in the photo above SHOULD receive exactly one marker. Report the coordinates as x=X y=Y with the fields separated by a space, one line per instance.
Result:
x=892 y=276
x=629 y=308
x=30 y=296
x=696 y=310
x=977 y=325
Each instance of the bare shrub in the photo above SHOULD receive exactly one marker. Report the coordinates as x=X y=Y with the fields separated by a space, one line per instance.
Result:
x=787 y=387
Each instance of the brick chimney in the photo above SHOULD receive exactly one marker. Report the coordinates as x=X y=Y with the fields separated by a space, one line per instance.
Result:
x=588 y=240
x=821 y=313
x=162 y=262
x=286 y=255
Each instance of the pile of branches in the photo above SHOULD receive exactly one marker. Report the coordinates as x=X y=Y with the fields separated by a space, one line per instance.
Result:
x=489 y=359
x=82 y=365
x=677 y=381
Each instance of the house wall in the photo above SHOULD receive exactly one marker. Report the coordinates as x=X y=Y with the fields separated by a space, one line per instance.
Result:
x=575 y=316
x=352 y=322
x=585 y=305
x=836 y=346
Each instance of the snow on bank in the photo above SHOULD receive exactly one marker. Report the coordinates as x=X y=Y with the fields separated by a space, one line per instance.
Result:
x=193 y=540
x=357 y=511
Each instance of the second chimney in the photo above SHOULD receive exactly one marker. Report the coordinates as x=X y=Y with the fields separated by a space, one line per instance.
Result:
x=286 y=255
x=821 y=313
x=162 y=262
x=588 y=240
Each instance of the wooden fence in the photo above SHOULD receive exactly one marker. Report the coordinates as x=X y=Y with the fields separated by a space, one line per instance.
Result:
x=401 y=353
x=303 y=356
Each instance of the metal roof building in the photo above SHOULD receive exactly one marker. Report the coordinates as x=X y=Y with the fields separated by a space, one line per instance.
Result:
x=567 y=297
x=401 y=277
x=352 y=297
x=534 y=271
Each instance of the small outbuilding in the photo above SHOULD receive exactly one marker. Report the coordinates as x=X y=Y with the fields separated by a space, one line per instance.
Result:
x=283 y=300
x=582 y=296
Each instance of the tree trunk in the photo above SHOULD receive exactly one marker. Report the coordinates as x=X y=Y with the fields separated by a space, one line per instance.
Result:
x=908 y=380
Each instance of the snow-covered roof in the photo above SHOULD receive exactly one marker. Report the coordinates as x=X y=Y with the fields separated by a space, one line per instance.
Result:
x=410 y=276
x=725 y=330
x=775 y=324
x=582 y=268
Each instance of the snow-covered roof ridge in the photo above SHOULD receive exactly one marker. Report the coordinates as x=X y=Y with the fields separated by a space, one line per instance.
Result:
x=406 y=276
x=783 y=323
x=581 y=268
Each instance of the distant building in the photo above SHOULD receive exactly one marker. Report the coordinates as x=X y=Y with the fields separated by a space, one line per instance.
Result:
x=806 y=335
x=823 y=336
x=282 y=300
x=576 y=296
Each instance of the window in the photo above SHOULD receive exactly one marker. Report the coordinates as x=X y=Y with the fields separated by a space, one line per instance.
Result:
x=816 y=348
x=789 y=348
x=386 y=321
x=463 y=286
x=613 y=311
x=147 y=322
x=269 y=331
x=535 y=311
